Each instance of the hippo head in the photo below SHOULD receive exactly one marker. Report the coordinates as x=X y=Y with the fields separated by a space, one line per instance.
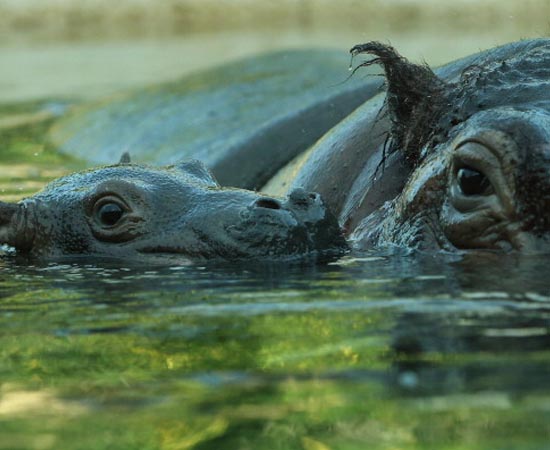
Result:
x=478 y=148
x=131 y=211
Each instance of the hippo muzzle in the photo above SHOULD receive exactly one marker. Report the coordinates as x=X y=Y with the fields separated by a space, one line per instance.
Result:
x=299 y=224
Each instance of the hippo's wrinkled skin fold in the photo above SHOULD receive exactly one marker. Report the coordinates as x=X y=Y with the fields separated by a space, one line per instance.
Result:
x=133 y=211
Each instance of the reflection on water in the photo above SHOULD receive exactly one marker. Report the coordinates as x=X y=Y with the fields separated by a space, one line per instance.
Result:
x=396 y=351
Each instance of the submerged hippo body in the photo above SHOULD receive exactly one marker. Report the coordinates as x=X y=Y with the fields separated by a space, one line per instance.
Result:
x=243 y=120
x=134 y=211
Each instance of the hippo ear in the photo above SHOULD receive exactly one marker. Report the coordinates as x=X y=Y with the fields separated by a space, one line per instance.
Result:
x=414 y=98
x=125 y=158
x=197 y=169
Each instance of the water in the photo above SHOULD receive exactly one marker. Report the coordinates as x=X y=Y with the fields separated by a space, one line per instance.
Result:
x=397 y=352
x=375 y=351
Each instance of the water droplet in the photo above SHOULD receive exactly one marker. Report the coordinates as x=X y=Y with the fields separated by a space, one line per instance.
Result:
x=350 y=67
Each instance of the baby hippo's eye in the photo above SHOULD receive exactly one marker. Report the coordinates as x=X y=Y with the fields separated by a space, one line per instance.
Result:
x=473 y=182
x=109 y=214
x=111 y=217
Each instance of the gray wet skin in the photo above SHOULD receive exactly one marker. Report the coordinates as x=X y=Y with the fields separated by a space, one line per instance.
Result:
x=243 y=119
x=133 y=211
x=469 y=155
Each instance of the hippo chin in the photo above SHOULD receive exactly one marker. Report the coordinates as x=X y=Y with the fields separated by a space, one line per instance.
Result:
x=131 y=211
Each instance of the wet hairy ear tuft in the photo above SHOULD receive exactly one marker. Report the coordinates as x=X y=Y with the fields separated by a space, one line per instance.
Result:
x=414 y=97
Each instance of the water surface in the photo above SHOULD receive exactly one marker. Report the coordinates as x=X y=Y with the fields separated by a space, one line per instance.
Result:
x=394 y=351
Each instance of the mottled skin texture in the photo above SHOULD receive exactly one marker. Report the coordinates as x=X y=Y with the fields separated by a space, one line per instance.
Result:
x=458 y=159
x=133 y=211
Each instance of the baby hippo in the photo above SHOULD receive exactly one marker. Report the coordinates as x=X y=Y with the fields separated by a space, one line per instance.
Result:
x=135 y=211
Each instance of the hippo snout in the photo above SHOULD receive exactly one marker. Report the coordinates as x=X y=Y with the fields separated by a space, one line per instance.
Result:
x=297 y=199
x=301 y=198
x=308 y=207
x=297 y=224
x=302 y=206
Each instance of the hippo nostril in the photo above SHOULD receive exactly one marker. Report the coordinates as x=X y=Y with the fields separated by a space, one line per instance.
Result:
x=268 y=203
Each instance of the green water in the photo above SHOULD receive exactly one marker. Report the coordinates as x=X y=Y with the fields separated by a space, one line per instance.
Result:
x=380 y=352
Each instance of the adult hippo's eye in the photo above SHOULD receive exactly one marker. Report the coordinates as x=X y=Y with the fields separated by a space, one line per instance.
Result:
x=108 y=214
x=473 y=182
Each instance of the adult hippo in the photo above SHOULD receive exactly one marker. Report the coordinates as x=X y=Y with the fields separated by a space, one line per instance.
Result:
x=456 y=159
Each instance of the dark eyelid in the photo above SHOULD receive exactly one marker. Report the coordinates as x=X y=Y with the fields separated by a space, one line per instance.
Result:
x=470 y=141
x=482 y=159
x=110 y=198
x=112 y=188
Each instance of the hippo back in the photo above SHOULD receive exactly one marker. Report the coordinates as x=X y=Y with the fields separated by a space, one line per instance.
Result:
x=244 y=120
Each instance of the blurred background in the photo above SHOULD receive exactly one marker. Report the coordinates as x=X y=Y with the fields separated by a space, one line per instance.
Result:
x=86 y=48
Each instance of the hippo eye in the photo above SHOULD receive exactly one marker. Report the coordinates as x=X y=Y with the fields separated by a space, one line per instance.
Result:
x=473 y=182
x=109 y=214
